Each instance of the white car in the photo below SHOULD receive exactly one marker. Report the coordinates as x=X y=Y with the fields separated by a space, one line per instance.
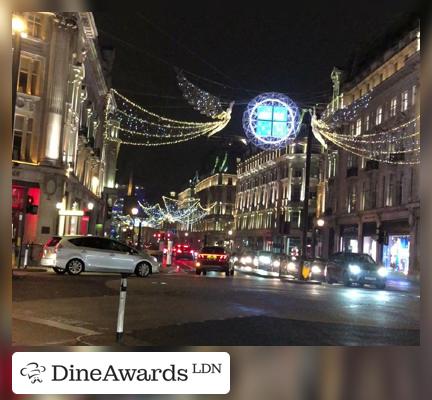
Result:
x=75 y=254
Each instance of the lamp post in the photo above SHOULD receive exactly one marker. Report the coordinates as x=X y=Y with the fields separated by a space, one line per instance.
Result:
x=134 y=212
x=319 y=224
x=19 y=28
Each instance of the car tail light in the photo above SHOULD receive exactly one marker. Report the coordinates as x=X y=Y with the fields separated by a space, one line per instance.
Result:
x=223 y=258
x=201 y=256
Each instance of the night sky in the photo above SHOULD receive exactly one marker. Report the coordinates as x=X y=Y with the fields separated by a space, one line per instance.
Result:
x=244 y=50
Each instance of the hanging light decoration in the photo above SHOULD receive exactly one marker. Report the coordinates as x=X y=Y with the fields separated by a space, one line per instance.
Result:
x=141 y=127
x=202 y=101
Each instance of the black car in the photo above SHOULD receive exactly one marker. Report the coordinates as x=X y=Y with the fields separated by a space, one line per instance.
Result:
x=355 y=268
x=214 y=258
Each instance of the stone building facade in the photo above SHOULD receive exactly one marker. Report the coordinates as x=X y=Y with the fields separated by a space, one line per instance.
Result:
x=60 y=160
x=370 y=206
x=270 y=194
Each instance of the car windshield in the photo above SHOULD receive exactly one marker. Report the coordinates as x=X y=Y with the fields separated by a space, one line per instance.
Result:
x=364 y=258
x=213 y=250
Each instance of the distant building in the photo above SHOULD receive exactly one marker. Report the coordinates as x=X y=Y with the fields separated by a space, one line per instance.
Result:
x=216 y=193
x=270 y=194
x=60 y=160
x=370 y=206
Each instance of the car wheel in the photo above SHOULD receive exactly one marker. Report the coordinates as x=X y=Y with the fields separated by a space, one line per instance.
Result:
x=346 y=281
x=204 y=272
x=329 y=279
x=227 y=272
x=143 y=270
x=232 y=272
x=381 y=286
x=59 y=271
x=75 y=267
x=198 y=272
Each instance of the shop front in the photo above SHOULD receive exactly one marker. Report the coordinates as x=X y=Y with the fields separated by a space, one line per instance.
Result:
x=349 y=239
x=370 y=244
x=396 y=250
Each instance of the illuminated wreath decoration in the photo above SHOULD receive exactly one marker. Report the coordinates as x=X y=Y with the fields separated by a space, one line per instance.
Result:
x=271 y=121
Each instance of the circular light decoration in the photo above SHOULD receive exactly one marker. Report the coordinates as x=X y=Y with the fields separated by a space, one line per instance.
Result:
x=271 y=120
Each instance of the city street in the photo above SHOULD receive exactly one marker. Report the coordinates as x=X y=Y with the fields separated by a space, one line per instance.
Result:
x=176 y=307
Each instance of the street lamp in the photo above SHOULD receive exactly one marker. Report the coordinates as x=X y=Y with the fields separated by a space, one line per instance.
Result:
x=320 y=222
x=134 y=212
x=90 y=206
x=19 y=28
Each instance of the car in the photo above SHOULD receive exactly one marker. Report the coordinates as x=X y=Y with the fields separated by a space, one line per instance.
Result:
x=355 y=268
x=153 y=250
x=313 y=268
x=77 y=254
x=213 y=258
x=183 y=251
x=48 y=258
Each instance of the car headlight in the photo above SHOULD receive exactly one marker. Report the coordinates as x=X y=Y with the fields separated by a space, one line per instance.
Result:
x=247 y=260
x=264 y=260
x=354 y=269
x=382 y=271
x=154 y=259
x=315 y=269
x=255 y=262
x=276 y=263
x=292 y=266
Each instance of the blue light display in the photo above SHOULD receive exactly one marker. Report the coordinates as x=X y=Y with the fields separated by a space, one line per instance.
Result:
x=271 y=120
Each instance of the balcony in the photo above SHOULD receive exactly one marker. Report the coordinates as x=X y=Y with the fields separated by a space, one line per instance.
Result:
x=353 y=171
x=397 y=157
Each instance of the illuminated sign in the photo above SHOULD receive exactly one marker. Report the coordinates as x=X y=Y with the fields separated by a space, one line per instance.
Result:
x=271 y=120
x=71 y=213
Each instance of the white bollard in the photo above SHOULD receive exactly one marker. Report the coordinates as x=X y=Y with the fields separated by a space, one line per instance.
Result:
x=169 y=252
x=121 y=309
x=26 y=252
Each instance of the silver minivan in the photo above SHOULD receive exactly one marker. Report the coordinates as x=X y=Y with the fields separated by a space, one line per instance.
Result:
x=76 y=254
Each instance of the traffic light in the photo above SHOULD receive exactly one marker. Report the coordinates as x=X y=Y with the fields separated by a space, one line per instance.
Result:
x=31 y=208
x=382 y=236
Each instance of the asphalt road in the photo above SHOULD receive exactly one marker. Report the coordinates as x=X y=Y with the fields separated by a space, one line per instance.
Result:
x=178 y=308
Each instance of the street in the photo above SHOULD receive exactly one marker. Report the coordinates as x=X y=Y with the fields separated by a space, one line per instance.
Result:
x=178 y=308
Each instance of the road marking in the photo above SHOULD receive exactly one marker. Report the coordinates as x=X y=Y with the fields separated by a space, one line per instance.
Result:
x=55 y=324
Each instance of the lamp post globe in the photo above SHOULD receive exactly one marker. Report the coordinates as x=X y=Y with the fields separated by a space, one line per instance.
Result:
x=134 y=211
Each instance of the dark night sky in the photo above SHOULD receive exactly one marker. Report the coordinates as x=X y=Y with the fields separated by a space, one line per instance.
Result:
x=254 y=48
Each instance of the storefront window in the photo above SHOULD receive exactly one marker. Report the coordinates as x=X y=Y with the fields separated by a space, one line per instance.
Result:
x=370 y=247
x=396 y=253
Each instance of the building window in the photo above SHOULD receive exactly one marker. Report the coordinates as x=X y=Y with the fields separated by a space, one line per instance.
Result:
x=379 y=115
x=352 y=129
x=352 y=199
x=404 y=102
x=22 y=140
x=29 y=76
x=358 y=127
x=393 y=105
x=414 y=94
x=351 y=160
x=367 y=123
x=34 y=25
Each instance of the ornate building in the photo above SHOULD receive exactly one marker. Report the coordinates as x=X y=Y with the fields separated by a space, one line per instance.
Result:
x=370 y=206
x=270 y=194
x=61 y=162
x=217 y=193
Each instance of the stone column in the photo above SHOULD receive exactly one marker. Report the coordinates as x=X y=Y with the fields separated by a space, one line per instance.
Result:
x=360 y=235
x=57 y=77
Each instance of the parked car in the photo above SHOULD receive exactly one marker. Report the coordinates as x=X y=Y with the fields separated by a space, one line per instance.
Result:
x=49 y=253
x=356 y=268
x=76 y=254
x=213 y=258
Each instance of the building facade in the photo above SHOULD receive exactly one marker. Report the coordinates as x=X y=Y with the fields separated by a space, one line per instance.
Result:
x=270 y=195
x=60 y=161
x=370 y=206
x=217 y=194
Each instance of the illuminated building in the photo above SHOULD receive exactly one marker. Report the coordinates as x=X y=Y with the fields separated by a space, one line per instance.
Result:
x=59 y=156
x=270 y=194
x=370 y=206
x=216 y=192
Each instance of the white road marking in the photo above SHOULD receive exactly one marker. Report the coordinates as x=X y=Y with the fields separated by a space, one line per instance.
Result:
x=55 y=324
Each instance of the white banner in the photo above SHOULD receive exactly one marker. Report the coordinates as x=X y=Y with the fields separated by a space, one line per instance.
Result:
x=121 y=373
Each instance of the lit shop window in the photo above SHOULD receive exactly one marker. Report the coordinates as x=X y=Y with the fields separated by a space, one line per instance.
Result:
x=367 y=123
x=379 y=115
x=34 y=25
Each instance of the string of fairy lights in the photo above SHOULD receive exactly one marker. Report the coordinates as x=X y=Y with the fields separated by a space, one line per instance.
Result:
x=138 y=126
x=398 y=145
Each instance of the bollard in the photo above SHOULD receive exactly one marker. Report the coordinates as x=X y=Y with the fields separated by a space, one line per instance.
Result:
x=121 y=309
x=169 y=253
x=26 y=253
